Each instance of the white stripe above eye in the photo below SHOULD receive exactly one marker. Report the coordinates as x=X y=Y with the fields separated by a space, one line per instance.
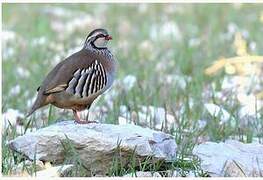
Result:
x=93 y=35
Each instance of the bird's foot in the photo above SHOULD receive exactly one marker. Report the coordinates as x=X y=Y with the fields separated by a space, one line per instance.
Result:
x=84 y=122
x=78 y=120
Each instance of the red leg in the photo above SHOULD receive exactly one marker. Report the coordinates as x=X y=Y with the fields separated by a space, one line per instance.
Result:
x=79 y=120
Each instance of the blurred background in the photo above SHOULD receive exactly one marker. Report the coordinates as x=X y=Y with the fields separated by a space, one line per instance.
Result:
x=192 y=70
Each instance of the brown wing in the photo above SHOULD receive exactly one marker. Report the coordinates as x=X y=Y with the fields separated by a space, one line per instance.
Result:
x=81 y=74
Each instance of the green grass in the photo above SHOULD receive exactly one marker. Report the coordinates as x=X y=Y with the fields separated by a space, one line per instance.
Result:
x=134 y=24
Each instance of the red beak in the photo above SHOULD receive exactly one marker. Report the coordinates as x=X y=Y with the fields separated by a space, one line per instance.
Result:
x=108 y=37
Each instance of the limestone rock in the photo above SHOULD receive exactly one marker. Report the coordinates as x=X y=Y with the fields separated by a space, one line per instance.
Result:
x=96 y=144
x=231 y=158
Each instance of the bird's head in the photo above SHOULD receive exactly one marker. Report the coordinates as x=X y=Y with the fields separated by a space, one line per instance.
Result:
x=98 y=38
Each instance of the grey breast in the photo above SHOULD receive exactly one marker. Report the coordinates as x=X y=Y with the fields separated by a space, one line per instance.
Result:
x=88 y=81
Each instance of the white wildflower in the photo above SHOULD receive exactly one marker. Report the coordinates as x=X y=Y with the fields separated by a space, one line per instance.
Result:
x=56 y=59
x=142 y=8
x=253 y=46
x=20 y=130
x=232 y=28
x=58 y=27
x=122 y=120
x=245 y=34
x=124 y=28
x=233 y=82
x=57 y=11
x=8 y=53
x=15 y=90
x=194 y=42
x=30 y=102
x=250 y=105
x=11 y=116
x=23 y=73
x=110 y=96
x=154 y=32
x=124 y=111
x=123 y=46
x=217 y=111
x=129 y=81
x=39 y=41
x=81 y=23
x=201 y=123
x=146 y=46
x=180 y=81
x=170 y=28
x=8 y=35
x=157 y=115
x=144 y=118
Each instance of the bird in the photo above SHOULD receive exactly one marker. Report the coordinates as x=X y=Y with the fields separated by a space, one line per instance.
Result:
x=77 y=81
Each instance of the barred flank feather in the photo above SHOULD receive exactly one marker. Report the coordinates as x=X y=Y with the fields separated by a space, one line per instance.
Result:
x=86 y=82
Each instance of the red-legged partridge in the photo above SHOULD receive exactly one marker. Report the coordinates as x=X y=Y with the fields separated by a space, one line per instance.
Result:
x=78 y=80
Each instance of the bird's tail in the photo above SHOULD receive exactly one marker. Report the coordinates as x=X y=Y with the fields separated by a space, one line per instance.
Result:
x=39 y=102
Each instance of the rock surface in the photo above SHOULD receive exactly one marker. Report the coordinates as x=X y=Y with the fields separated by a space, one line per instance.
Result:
x=96 y=144
x=231 y=158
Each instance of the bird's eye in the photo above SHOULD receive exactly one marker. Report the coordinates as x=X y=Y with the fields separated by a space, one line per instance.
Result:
x=100 y=35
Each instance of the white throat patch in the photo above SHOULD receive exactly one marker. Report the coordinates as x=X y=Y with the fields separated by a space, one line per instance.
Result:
x=100 y=42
